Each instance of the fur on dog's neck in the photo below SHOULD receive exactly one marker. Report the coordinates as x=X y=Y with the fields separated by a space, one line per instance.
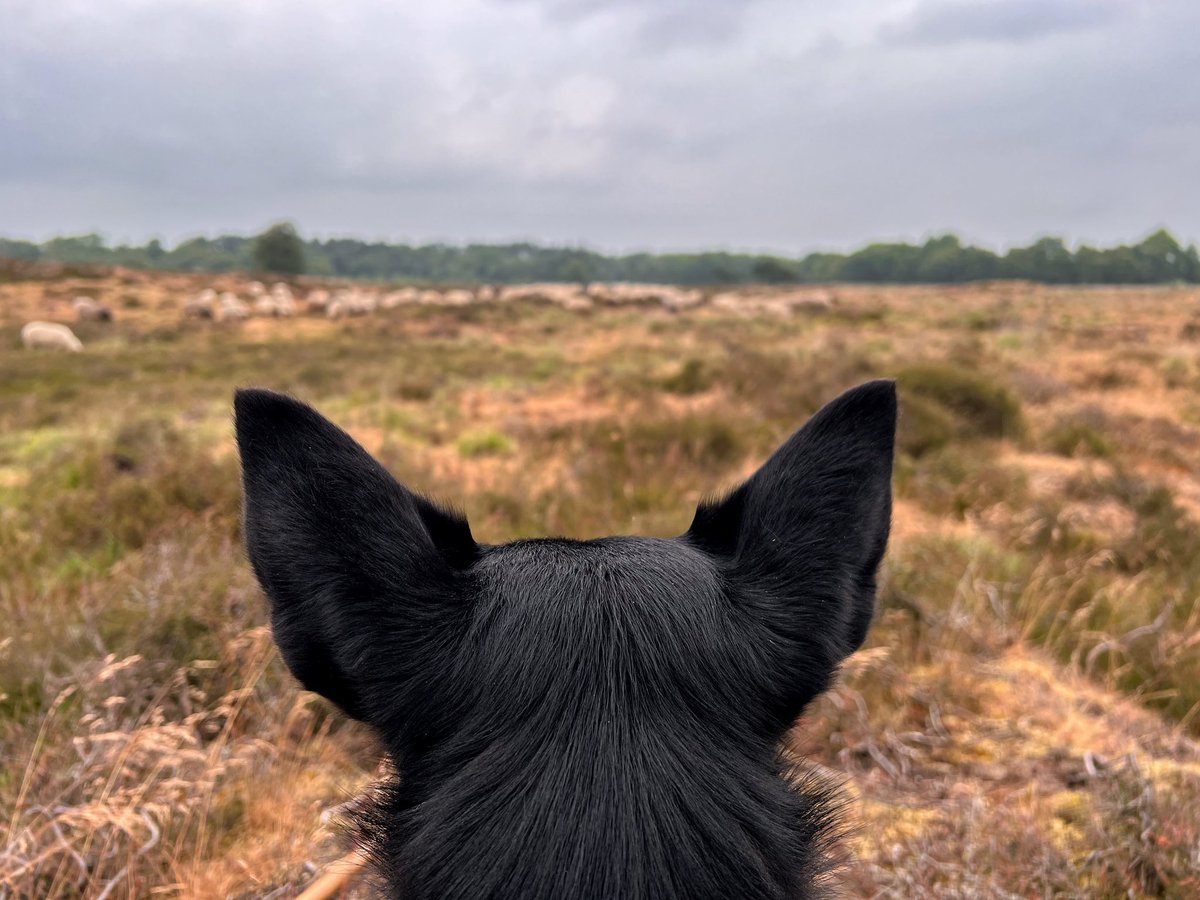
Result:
x=700 y=820
x=604 y=762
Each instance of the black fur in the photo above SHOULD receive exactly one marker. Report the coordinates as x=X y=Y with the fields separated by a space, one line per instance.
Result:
x=577 y=718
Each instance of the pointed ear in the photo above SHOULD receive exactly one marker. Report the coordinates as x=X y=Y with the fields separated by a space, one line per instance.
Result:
x=364 y=577
x=802 y=539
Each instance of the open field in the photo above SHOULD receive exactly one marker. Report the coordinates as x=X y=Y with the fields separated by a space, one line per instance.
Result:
x=1022 y=722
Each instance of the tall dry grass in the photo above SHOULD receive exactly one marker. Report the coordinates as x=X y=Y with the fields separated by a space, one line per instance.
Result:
x=1020 y=724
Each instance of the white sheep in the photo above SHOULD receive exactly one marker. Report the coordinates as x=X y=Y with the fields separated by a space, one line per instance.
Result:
x=256 y=289
x=676 y=299
x=568 y=296
x=751 y=303
x=356 y=301
x=285 y=303
x=622 y=292
x=89 y=310
x=457 y=297
x=316 y=300
x=366 y=302
x=50 y=336
x=813 y=301
x=401 y=297
x=201 y=305
x=232 y=308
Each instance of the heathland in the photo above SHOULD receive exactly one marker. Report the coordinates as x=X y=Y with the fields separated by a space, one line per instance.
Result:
x=1022 y=721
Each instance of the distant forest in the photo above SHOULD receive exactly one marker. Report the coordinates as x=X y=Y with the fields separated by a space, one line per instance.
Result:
x=1158 y=259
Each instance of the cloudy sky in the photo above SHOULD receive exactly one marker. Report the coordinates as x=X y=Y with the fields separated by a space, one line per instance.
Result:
x=754 y=124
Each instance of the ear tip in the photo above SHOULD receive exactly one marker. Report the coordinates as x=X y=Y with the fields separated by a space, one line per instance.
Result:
x=256 y=410
x=879 y=388
x=876 y=399
x=252 y=399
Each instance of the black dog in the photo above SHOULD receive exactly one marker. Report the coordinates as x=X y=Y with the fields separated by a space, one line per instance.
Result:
x=577 y=718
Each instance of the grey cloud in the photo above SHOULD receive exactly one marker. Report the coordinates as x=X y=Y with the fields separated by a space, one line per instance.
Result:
x=766 y=124
x=1001 y=21
x=657 y=25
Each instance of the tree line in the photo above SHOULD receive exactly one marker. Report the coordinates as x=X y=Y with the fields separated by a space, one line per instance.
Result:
x=1157 y=259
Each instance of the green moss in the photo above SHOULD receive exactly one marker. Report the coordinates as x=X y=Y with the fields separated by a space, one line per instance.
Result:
x=692 y=377
x=484 y=442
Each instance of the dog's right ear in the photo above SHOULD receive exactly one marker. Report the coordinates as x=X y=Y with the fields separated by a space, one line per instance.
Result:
x=801 y=540
x=366 y=579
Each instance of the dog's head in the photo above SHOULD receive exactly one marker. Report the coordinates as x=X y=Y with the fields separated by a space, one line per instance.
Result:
x=533 y=665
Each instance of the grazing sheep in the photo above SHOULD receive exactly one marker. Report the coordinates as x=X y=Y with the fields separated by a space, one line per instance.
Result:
x=576 y=302
x=753 y=303
x=50 y=336
x=89 y=310
x=256 y=289
x=568 y=296
x=458 y=297
x=317 y=300
x=402 y=297
x=231 y=308
x=676 y=299
x=623 y=292
x=485 y=294
x=350 y=302
x=810 y=301
x=285 y=304
x=355 y=301
x=200 y=306
x=266 y=306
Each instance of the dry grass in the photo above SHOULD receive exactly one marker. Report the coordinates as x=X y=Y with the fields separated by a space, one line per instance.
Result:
x=1021 y=723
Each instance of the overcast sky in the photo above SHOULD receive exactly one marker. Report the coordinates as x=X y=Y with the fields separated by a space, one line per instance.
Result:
x=788 y=125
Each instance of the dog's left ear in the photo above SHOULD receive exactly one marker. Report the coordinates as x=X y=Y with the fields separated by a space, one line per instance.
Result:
x=367 y=580
x=801 y=540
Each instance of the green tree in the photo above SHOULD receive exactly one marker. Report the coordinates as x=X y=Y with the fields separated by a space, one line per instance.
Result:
x=770 y=270
x=1162 y=259
x=1047 y=259
x=895 y=263
x=155 y=252
x=279 y=249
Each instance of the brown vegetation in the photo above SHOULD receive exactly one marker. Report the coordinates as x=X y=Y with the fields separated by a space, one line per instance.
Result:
x=1020 y=724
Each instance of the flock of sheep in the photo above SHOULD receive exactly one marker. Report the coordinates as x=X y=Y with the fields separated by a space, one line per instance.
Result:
x=356 y=301
x=279 y=300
